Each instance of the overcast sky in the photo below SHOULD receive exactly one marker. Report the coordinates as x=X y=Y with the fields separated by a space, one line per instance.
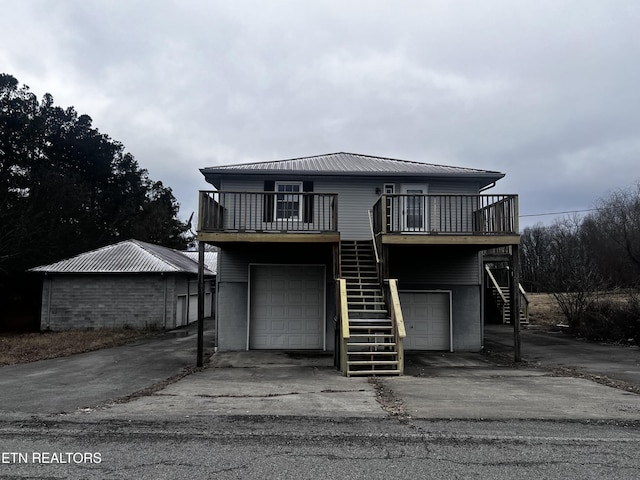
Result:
x=547 y=92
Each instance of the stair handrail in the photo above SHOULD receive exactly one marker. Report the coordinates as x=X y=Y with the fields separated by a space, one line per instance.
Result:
x=397 y=321
x=523 y=293
x=495 y=283
x=373 y=236
x=344 y=324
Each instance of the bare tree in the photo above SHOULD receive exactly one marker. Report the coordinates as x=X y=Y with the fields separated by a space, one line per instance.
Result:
x=613 y=233
x=574 y=277
x=536 y=258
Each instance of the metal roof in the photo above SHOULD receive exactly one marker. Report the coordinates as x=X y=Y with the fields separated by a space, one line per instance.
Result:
x=348 y=164
x=210 y=259
x=129 y=256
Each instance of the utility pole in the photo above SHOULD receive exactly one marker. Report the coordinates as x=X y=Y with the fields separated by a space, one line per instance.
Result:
x=200 y=359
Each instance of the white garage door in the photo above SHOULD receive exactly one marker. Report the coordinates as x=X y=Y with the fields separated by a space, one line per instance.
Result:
x=287 y=307
x=427 y=320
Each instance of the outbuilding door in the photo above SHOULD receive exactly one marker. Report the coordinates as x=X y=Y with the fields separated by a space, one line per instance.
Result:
x=427 y=319
x=287 y=307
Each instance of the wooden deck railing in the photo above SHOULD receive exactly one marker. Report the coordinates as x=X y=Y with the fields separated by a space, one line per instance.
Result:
x=343 y=323
x=222 y=211
x=446 y=214
x=397 y=320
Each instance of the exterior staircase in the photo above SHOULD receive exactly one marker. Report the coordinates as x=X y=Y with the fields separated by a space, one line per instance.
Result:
x=371 y=349
x=501 y=294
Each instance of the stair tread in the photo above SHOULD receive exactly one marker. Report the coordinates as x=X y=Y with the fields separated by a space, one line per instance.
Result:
x=386 y=325
x=374 y=362
x=378 y=354
x=371 y=335
x=373 y=372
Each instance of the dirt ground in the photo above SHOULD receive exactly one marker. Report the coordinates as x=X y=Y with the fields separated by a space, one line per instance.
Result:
x=30 y=347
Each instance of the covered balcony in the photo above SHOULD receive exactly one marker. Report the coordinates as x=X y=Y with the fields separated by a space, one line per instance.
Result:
x=226 y=216
x=484 y=220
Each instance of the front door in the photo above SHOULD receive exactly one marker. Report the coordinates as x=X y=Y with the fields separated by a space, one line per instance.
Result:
x=414 y=208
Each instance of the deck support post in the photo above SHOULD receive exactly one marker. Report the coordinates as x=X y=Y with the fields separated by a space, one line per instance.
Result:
x=515 y=301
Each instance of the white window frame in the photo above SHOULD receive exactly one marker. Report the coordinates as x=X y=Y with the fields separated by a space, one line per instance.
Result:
x=298 y=194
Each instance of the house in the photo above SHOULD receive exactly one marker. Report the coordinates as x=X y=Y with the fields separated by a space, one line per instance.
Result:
x=127 y=284
x=360 y=255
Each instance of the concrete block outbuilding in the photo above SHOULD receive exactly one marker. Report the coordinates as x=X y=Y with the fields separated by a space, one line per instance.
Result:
x=128 y=284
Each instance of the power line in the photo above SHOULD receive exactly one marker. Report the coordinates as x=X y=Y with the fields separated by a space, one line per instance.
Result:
x=559 y=213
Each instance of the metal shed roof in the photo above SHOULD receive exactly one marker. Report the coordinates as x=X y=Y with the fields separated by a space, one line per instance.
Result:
x=129 y=256
x=348 y=164
x=210 y=259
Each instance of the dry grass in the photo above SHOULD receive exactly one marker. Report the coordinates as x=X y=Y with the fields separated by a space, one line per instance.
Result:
x=544 y=309
x=30 y=347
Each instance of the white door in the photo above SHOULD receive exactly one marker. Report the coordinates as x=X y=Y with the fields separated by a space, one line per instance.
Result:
x=181 y=311
x=286 y=307
x=193 y=308
x=414 y=208
x=427 y=319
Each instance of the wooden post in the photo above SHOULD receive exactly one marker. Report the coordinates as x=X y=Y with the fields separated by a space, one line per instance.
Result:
x=200 y=359
x=515 y=301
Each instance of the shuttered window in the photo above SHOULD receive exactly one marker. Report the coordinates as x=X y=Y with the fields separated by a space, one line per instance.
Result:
x=286 y=203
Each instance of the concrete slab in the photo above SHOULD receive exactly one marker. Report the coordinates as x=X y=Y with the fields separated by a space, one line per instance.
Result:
x=268 y=389
x=511 y=394
x=448 y=387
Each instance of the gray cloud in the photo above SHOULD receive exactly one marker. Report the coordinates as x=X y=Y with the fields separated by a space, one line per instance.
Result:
x=544 y=91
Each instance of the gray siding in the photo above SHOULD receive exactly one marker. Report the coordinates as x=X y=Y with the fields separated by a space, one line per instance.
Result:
x=233 y=285
x=354 y=202
x=355 y=196
x=232 y=315
x=234 y=260
x=467 y=318
x=433 y=266
x=417 y=267
x=445 y=268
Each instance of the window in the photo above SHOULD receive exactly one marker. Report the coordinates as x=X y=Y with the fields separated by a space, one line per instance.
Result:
x=288 y=201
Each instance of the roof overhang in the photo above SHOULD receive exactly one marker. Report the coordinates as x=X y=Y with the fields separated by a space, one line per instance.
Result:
x=215 y=176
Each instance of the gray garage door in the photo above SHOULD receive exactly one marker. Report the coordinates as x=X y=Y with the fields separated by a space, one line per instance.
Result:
x=426 y=318
x=287 y=307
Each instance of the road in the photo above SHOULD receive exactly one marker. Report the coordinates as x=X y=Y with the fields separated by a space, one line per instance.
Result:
x=268 y=415
x=288 y=447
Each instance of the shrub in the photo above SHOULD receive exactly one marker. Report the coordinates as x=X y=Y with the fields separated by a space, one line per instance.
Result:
x=608 y=320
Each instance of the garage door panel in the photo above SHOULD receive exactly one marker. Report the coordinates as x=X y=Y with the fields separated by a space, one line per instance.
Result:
x=427 y=320
x=287 y=307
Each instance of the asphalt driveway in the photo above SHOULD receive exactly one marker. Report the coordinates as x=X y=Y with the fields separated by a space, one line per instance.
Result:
x=67 y=384
x=544 y=347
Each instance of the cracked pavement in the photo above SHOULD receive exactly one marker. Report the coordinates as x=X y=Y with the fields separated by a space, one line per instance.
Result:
x=273 y=415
